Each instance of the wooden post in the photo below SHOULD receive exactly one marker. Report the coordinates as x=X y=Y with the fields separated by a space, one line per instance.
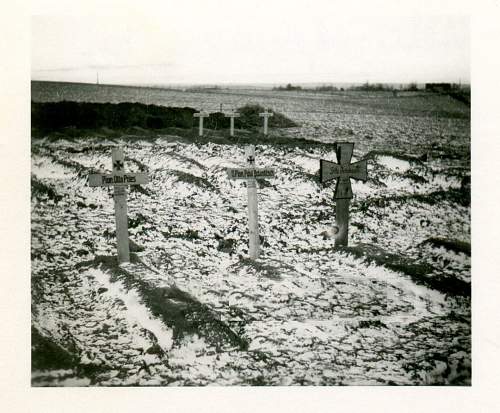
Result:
x=251 y=174
x=119 y=179
x=201 y=115
x=342 y=221
x=231 y=115
x=120 y=198
x=265 y=115
x=253 y=215
x=343 y=171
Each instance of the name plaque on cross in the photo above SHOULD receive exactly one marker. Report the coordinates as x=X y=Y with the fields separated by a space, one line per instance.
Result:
x=343 y=172
x=119 y=179
x=246 y=173
x=251 y=174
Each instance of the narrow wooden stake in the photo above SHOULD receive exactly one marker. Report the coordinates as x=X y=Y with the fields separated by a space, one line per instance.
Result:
x=231 y=115
x=342 y=221
x=119 y=179
x=120 y=198
x=265 y=115
x=201 y=115
x=253 y=216
x=250 y=173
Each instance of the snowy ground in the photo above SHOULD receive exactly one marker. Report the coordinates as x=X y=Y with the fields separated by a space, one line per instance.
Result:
x=303 y=314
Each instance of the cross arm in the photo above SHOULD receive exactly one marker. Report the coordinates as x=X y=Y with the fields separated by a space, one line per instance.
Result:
x=343 y=173
x=330 y=170
x=357 y=170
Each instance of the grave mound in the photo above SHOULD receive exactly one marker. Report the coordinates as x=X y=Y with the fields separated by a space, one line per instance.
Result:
x=68 y=116
x=250 y=118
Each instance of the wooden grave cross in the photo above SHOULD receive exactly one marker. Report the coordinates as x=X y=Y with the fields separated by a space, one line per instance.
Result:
x=344 y=171
x=265 y=115
x=119 y=179
x=251 y=174
x=201 y=115
x=232 y=115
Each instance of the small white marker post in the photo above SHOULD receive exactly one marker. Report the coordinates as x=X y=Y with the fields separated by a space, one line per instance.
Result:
x=265 y=115
x=201 y=115
x=119 y=180
x=232 y=115
x=251 y=173
x=343 y=172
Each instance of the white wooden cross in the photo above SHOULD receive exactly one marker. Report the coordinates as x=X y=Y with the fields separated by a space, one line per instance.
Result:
x=201 y=115
x=232 y=115
x=119 y=179
x=251 y=173
x=265 y=115
x=343 y=172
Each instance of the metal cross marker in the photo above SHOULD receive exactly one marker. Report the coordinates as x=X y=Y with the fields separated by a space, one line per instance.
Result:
x=119 y=180
x=265 y=115
x=231 y=115
x=201 y=115
x=343 y=172
x=251 y=173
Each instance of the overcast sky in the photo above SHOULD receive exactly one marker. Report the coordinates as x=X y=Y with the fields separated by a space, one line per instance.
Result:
x=253 y=45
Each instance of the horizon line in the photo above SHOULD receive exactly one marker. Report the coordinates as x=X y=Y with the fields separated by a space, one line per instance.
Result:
x=218 y=84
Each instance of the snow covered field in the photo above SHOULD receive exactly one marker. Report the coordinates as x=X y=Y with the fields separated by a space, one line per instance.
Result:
x=191 y=309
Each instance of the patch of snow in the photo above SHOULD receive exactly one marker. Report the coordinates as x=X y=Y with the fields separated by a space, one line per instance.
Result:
x=136 y=310
x=45 y=168
x=394 y=164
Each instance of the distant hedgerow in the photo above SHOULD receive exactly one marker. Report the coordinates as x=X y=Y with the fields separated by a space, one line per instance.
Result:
x=54 y=116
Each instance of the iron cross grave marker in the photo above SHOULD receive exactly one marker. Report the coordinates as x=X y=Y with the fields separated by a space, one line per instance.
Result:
x=343 y=172
x=120 y=179
x=251 y=173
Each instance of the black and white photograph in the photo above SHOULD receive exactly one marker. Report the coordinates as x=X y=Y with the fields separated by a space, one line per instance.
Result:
x=287 y=206
x=253 y=197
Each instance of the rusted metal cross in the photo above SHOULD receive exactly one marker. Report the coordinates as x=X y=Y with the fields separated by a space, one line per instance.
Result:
x=343 y=171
